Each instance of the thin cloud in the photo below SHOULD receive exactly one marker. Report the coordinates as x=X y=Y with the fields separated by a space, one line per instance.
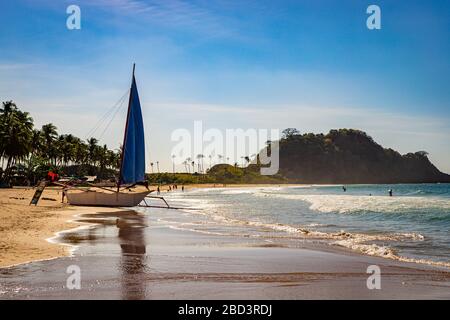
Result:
x=169 y=13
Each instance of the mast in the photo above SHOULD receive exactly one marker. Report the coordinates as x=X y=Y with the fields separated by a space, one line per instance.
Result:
x=126 y=130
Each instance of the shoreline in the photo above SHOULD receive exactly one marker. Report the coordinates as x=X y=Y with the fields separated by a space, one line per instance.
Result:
x=183 y=264
x=63 y=219
x=180 y=264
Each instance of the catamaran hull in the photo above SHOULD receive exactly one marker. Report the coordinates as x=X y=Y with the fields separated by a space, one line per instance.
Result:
x=103 y=199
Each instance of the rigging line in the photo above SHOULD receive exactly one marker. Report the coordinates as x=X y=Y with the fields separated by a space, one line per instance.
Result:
x=105 y=115
x=112 y=118
x=100 y=122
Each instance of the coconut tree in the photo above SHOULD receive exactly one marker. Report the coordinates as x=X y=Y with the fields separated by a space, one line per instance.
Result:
x=200 y=162
x=189 y=161
x=81 y=152
x=49 y=136
x=16 y=131
x=186 y=165
x=66 y=147
x=113 y=161
x=36 y=142
x=92 y=151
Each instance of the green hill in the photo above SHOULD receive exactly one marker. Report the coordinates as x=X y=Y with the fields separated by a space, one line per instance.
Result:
x=351 y=156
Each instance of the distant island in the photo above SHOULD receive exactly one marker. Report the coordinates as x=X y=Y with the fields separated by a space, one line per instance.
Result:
x=348 y=156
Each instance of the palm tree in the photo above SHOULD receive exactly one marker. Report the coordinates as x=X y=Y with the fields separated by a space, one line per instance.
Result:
x=113 y=159
x=157 y=165
x=81 y=151
x=186 y=165
x=49 y=135
x=188 y=160
x=200 y=162
x=36 y=142
x=201 y=159
x=16 y=131
x=92 y=151
x=66 y=148
x=199 y=156
x=103 y=157
x=151 y=165
x=32 y=151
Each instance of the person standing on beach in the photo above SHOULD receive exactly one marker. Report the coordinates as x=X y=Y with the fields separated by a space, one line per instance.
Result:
x=158 y=191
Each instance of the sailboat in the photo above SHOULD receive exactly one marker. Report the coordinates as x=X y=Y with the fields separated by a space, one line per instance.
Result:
x=132 y=164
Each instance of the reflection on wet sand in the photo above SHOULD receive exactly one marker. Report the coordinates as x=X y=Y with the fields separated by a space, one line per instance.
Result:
x=133 y=260
x=131 y=238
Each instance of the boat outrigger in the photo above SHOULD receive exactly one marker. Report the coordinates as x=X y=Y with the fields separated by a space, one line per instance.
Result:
x=132 y=165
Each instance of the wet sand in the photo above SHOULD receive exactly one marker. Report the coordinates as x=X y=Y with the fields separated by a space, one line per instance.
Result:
x=130 y=255
x=24 y=229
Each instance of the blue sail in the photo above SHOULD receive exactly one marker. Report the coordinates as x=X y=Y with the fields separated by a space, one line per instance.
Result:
x=133 y=161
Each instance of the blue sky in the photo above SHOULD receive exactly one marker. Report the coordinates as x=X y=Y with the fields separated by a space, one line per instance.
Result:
x=313 y=65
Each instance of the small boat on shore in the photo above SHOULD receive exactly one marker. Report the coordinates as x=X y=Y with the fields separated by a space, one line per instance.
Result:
x=132 y=165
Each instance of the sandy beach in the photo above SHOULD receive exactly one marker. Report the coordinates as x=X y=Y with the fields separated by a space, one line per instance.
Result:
x=25 y=229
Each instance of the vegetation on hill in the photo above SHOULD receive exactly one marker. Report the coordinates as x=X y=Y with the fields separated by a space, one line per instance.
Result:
x=350 y=156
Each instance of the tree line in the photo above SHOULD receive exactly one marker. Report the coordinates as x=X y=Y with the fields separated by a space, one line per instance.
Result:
x=29 y=153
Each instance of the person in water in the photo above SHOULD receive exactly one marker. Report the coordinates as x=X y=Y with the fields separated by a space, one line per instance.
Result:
x=390 y=192
x=344 y=188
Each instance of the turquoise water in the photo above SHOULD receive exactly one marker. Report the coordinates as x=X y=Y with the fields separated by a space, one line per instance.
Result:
x=412 y=225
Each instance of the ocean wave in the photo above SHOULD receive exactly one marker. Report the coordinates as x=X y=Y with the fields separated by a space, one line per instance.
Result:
x=238 y=191
x=379 y=244
x=358 y=242
x=347 y=204
x=384 y=251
